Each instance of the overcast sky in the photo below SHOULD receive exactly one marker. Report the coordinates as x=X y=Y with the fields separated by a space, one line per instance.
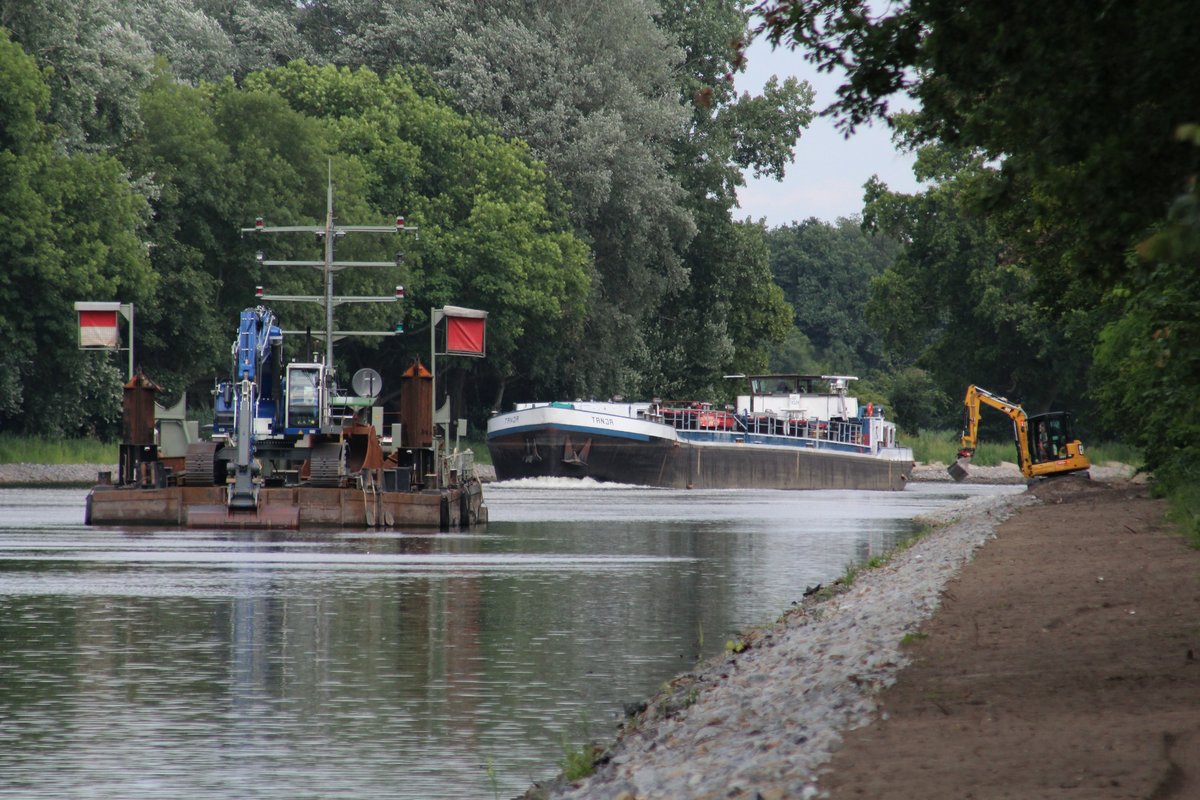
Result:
x=826 y=179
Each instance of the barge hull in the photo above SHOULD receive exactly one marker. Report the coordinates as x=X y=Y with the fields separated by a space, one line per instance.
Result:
x=302 y=507
x=680 y=464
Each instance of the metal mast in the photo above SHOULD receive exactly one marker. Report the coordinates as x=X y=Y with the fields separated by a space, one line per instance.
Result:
x=328 y=265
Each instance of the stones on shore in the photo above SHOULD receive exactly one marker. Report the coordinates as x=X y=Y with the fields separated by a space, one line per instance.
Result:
x=52 y=474
x=86 y=474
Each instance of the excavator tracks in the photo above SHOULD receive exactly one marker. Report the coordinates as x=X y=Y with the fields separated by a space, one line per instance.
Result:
x=199 y=464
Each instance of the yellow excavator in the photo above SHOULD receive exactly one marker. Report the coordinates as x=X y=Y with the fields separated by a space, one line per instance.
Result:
x=1046 y=443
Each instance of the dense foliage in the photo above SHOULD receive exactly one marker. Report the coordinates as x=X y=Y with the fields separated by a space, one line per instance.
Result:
x=58 y=244
x=572 y=168
x=825 y=271
x=1047 y=259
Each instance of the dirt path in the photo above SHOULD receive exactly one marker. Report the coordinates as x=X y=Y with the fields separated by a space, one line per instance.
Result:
x=1064 y=662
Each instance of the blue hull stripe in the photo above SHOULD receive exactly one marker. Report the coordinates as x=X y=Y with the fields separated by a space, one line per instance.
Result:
x=611 y=433
x=775 y=441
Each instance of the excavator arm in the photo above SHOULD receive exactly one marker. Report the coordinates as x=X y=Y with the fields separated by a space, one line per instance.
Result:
x=976 y=397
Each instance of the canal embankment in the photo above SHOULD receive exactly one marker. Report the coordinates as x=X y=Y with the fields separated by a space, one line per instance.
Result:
x=52 y=474
x=1061 y=663
x=765 y=719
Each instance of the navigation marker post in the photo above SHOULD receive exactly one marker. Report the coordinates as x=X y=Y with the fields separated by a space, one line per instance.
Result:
x=465 y=336
x=98 y=327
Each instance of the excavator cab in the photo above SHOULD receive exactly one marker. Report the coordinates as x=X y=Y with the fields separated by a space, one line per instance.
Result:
x=1052 y=446
x=305 y=408
x=1049 y=435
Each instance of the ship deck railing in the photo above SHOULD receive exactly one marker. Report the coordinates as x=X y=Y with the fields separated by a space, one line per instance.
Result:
x=458 y=465
x=848 y=432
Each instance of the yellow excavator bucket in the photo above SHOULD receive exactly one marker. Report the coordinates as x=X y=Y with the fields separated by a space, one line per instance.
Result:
x=958 y=470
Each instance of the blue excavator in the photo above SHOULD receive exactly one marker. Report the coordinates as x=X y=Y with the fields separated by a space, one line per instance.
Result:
x=275 y=422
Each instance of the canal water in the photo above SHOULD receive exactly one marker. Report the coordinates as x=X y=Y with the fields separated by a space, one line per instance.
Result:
x=366 y=664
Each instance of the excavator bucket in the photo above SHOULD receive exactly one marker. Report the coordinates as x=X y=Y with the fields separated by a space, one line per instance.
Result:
x=958 y=470
x=364 y=451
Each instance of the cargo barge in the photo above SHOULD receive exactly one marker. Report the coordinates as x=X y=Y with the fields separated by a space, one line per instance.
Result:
x=787 y=432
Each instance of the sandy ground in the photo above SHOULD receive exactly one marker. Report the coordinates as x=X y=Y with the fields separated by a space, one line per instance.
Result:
x=1062 y=663
x=1008 y=472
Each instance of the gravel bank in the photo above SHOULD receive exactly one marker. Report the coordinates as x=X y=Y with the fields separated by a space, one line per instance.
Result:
x=759 y=723
x=1009 y=473
x=52 y=474
x=49 y=474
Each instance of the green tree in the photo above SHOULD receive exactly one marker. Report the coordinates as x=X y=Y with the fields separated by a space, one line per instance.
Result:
x=98 y=65
x=1148 y=360
x=916 y=401
x=264 y=33
x=958 y=303
x=193 y=44
x=220 y=154
x=591 y=88
x=1086 y=160
x=730 y=314
x=632 y=109
x=58 y=245
x=825 y=271
x=216 y=157
x=490 y=236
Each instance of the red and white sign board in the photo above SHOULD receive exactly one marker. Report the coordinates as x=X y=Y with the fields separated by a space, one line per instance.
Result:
x=98 y=325
x=465 y=331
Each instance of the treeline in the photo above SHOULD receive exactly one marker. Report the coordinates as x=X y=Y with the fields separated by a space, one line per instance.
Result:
x=572 y=168
x=1055 y=257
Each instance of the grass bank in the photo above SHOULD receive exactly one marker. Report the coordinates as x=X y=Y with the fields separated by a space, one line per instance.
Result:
x=35 y=450
x=1182 y=492
x=479 y=446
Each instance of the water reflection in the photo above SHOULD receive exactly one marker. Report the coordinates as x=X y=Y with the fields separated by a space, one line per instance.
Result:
x=279 y=665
